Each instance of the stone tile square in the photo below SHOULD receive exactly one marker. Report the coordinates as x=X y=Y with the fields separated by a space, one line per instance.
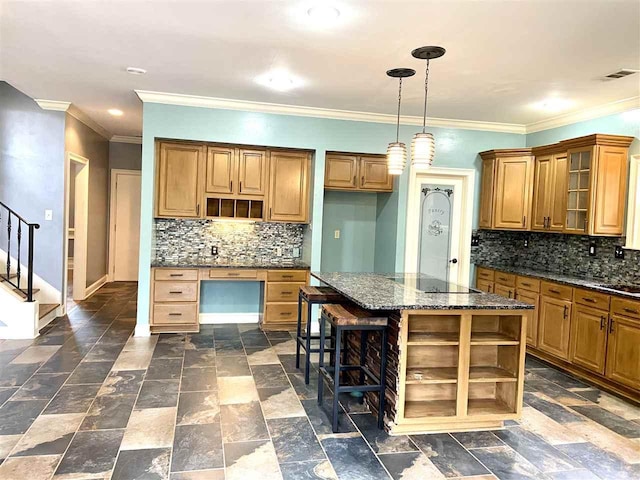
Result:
x=241 y=459
x=17 y=416
x=279 y=402
x=90 y=372
x=150 y=428
x=294 y=440
x=243 y=422
x=158 y=393
x=21 y=468
x=36 y=354
x=164 y=369
x=109 y=412
x=91 y=455
x=269 y=376
x=125 y=382
x=198 y=379
x=195 y=408
x=72 y=399
x=197 y=447
x=237 y=390
x=150 y=463
x=49 y=435
x=232 y=366
x=200 y=358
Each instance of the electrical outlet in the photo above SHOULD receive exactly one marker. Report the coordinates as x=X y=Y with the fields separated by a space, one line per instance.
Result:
x=475 y=241
x=336 y=234
x=526 y=243
x=48 y=215
x=592 y=248
x=279 y=251
x=214 y=250
x=296 y=252
x=619 y=252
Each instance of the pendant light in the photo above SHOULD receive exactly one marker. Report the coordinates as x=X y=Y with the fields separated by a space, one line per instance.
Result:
x=397 y=151
x=423 y=145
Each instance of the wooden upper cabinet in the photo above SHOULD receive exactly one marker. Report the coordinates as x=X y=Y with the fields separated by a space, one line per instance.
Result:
x=610 y=188
x=558 y=208
x=589 y=337
x=357 y=172
x=486 y=193
x=374 y=174
x=542 y=188
x=549 y=189
x=554 y=326
x=289 y=187
x=252 y=172
x=341 y=171
x=221 y=170
x=178 y=180
x=512 y=200
x=623 y=353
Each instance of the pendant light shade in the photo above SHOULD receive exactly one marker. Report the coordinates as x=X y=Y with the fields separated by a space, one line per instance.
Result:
x=423 y=145
x=397 y=151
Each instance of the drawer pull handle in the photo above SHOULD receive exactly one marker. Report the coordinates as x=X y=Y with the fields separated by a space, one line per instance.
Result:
x=285 y=313
x=233 y=274
x=553 y=290
x=565 y=311
x=611 y=327
x=590 y=300
x=176 y=274
x=175 y=291
x=174 y=314
x=287 y=276
x=526 y=284
x=286 y=293
x=603 y=319
x=630 y=310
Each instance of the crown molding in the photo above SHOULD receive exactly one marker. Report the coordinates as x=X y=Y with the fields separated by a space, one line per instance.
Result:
x=79 y=115
x=126 y=139
x=281 y=109
x=54 y=105
x=610 y=108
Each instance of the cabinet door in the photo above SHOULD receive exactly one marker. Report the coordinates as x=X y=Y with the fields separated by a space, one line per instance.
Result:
x=178 y=180
x=623 y=353
x=579 y=189
x=374 y=175
x=610 y=175
x=341 y=171
x=531 y=298
x=486 y=193
x=542 y=189
x=513 y=193
x=289 y=187
x=484 y=285
x=252 y=172
x=221 y=170
x=558 y=208
x=507 y=292
x=554 y=326
x=589 y=338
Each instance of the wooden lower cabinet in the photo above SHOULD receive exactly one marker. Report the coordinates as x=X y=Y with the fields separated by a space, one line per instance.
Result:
x=175 y=297
x=281 y=308
x=589 y=338
x=507 y=292
x=623 y=352
x=554 y=326
x=484 y=285
x=532 y=298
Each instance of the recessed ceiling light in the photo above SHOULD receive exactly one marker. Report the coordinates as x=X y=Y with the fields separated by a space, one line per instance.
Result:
x=136 y=71
x=115 y=112
x=323 y=13
x=553 y=104
x=279 y=80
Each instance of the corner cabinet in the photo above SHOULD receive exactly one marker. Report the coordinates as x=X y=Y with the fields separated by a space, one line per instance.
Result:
x=178 y=175
x=356 y=172
x=507 y=185
x=289 y=187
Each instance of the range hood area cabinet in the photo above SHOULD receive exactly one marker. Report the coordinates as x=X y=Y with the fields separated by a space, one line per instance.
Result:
x=195 y=180
x=356 y=172
x=575 y=186
x=506 y=189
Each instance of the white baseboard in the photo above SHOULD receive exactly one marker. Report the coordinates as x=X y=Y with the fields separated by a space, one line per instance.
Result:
x=93 y=288
x=142 y=330
x=217 y=318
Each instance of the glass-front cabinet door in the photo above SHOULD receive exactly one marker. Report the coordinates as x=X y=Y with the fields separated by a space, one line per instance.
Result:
x=580 y=166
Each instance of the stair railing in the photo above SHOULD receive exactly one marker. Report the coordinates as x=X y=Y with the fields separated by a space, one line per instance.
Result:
x=11 y=219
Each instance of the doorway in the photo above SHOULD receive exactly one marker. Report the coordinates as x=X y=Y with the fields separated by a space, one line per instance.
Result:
x=76 y=211
x=124 y=225
x=439 y=223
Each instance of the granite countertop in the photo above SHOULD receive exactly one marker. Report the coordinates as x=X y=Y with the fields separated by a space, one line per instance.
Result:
x=248 y=264
x=589 y=283
x=380 y=291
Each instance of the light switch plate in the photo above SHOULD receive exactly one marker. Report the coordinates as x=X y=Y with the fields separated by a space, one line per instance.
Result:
x=336 y=234
x=48 y=215
x=279 y=251
x=296 y=252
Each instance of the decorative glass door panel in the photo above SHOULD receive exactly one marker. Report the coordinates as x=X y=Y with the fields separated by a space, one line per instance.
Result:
x=578 y=194
x=434 y=244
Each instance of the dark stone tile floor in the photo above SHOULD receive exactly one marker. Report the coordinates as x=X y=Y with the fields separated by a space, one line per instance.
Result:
x=88 y=400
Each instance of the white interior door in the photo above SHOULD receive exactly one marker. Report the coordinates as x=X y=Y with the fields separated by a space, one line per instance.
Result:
x=125 y=225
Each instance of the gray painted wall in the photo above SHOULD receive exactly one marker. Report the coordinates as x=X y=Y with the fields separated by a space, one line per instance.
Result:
x=31 y=175
x=84 y=141
x=127 y=156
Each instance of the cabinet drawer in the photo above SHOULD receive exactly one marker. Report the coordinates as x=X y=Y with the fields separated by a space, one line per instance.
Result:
x=624 y=307
x=506 y=279
x=176 y=274
x=281 y=312
x=485 y=274
x=556 y=291
x=230 y=273
x=591 y=298
x=527 y=283
x=287 y=276
x=175 y=292
x=175 y=313
x=283 y=292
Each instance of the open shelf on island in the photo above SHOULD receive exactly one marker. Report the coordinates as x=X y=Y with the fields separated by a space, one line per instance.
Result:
x=433 y=338
x=490 y=374
x=495 y=330
x=488 y=406
x=432 y=408
x=492 y=338
x=417 y=375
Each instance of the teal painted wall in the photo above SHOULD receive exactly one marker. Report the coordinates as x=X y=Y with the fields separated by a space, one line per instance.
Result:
x=231 y=297
x=455 y=148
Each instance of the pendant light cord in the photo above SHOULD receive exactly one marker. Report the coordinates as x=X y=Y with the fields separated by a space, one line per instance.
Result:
x=426 y=90
x=398 y=120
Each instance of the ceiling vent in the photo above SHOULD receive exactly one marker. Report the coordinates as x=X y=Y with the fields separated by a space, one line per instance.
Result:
x=625 y=72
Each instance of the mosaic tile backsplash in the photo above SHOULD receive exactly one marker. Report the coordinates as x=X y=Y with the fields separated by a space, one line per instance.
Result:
x=190 y=241
x=558 y=253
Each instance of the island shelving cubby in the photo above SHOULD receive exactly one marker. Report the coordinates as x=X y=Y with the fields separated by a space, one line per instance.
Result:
x=459 y=369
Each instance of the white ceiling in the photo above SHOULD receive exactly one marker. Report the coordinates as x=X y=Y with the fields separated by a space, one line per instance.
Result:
x=502 y=56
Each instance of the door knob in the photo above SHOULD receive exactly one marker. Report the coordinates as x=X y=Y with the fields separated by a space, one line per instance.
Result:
x=453 y=260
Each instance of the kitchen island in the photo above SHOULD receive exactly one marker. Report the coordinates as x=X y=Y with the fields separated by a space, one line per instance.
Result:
x=455 y=358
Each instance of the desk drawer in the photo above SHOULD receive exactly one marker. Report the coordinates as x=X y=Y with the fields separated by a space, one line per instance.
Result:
x=283 y=292
x=176 y=274
x=554 y=290
x=287 y=276
x=175 y=313
x=527 y=283
x=506 y=279
x=591 y=298
x=485 y=274
x=175 y=292
x=231 y=273
x=624 y=307
x=281 y=312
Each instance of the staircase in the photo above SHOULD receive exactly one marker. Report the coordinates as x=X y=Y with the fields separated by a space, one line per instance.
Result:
x=23 y=309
